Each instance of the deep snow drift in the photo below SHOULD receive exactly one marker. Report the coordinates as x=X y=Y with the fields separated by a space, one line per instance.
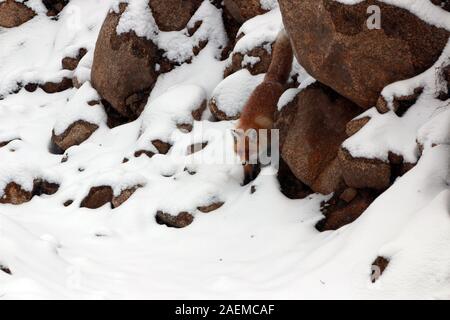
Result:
x=257 y=245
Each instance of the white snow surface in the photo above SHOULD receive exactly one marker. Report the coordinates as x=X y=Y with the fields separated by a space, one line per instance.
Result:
x=259 y=245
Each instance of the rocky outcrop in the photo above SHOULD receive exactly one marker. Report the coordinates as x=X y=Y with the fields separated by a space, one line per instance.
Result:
x=123 y=70
x=332 y=42
x=13 y=14
x=312 y=128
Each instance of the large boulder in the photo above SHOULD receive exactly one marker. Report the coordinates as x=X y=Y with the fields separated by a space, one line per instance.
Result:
x=333 y=43
x=13 y=14
x=312 y=128
x=123 y=70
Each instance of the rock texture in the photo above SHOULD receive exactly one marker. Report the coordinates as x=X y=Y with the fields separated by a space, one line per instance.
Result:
x=13 y=14
x=75 y=134
x=97 y=197
x=333 y=43
x=71 y=63
x=312 y=129
x=14 y=194
x=123 y=70
x=173 y=15
x=242 y=10
x=345 y=209
x=181 y=220
x=54 y=7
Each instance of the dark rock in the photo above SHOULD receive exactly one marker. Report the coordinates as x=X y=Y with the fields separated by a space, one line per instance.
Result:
x=54 y=7
x=69 y=63
x=243 y=10
x=14 y=194
x=339 y=213
x=54 y=87
x=117 y=201
x=97 y=197
x=75 y=134
x=211 y=207
x=181 y=220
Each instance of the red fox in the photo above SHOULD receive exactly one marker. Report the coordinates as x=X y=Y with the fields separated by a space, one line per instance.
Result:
x=259 y=111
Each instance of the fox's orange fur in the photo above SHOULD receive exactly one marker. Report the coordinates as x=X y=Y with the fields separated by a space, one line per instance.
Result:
x=260 y=109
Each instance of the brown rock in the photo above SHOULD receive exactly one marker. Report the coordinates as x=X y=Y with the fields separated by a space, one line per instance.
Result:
x=211 y=207
x=139 y=153
x=69 y=63
x=13 y=14
x=339 y=213
x=173 y=15
x=355 y=125
x=378 y=267
x=242 y=10
x=332 y=42
x=311 y=134
x=75 y=134
x=97 y=197
x=54 y=87
x=117 y=201
x=181 y=220
x=14 y=194
x=362 y=173
x=41 y=187
x=161 y=146
x=54 y=7
x=400 y=104
x=123 y=70
x=348 y=195
x=290 y=186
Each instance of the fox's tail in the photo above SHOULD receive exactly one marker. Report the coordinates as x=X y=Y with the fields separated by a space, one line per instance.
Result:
x=282 y=57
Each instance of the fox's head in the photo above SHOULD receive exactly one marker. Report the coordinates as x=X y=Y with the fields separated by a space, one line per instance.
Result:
x=247 y=146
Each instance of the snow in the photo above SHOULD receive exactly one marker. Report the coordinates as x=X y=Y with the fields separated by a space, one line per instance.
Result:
x=77 y=108
x=231 y=95
x=258 y=245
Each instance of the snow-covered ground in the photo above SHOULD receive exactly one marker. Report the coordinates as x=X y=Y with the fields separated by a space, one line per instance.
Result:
x=257 y=245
